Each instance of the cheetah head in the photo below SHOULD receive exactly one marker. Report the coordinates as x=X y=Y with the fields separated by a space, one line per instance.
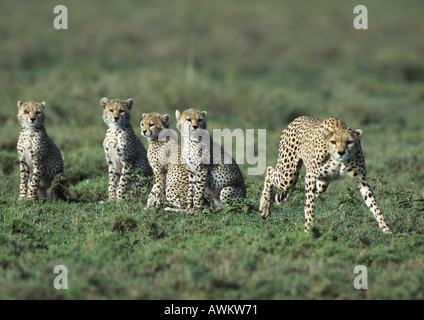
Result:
x=31 y=114
x=190 y=120
x=116 y=113
x=153 y=123
x=342 y=144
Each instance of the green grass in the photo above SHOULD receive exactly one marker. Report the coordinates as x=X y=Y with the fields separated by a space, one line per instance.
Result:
x=251 y=65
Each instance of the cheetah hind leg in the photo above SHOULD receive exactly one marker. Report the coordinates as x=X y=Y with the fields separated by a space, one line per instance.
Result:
x=42 y=193
x=286 y=184
x=176 y=199
x=283 y=197
x=57 y=190
x=265 y=205
x=141 y=184
x=213 y=199
x=230 y=195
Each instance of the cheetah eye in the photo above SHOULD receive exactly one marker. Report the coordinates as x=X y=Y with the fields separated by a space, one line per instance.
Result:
x=189 y=120
x=121 y=111
x=111 y=110
x=151 y=125
x=38 y=112
x=200 y=120
x=333 y=143
x=26 y=112
x=349 y=142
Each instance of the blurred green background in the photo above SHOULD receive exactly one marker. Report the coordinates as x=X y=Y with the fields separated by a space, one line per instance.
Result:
x=251 y=65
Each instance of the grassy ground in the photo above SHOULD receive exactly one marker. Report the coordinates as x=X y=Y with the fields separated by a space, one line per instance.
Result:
x=251 y=65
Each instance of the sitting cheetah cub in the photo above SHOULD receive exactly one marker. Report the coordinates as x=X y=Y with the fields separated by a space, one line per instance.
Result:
x=125 y=154
x=329 y=150
x=41 y=163
x=213 y=173
x=164 y=155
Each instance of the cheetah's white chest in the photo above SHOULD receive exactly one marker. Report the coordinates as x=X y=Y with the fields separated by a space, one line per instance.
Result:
x=114 y=156
x=28 y=147
x=113 y=150
x=191 y=156
x=27 y=158
x=332 y=170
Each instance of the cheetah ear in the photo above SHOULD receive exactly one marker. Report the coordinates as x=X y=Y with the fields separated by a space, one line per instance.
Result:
x=358 y=132
x=204 y=114
x=325 y=133
x=43 y=104
x=177 y=114
x=103 y=102
x=143 y=116
x=130 y=103
x=165 y=119
x=20 y=103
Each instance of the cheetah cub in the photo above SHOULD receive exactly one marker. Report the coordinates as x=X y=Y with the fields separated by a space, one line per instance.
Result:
x=329 y=150
x=125 y=154
x=164 y=155
x=41 y=163
x=213 y=173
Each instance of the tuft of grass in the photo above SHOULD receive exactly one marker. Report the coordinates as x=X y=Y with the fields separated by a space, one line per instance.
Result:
x=124 y=223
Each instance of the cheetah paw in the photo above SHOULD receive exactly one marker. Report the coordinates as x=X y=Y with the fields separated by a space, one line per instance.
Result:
x=264 y=209
x=193 y=211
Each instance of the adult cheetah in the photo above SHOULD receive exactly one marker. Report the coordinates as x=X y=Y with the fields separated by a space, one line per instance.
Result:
x=125 y=154
x=164 y=155
x=41 y=163
x=213 y=173
x=329 y=150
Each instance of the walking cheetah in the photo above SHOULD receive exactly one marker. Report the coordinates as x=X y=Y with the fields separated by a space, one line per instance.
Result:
x=329 y=150
x=125 y=154
x=213 y=173
x=41 y=163
x=164 y=155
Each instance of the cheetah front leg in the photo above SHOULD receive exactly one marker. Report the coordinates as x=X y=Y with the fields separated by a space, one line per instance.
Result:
x=310 y=199
x=124 y=182
x=191 y=189
x=156 y=195
x=371 y=202
x=199 y=188
x=25 y=173
x=113 y=181
x=34 y=184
